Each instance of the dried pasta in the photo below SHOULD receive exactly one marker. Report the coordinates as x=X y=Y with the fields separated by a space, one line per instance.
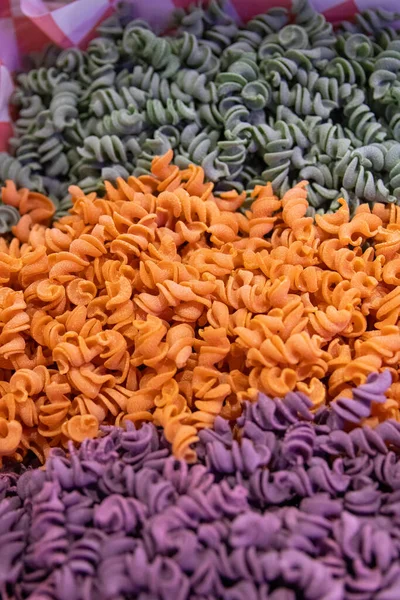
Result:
x=286 y=505
x=162 y=302
x=284 y=98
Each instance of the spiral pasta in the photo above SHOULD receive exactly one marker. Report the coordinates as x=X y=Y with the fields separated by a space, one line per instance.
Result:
x=277 y=503
x=161 y=302
x=30 y=208
x=283 y=99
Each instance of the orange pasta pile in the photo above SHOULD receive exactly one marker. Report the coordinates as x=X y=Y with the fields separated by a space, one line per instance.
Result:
x=160 y=302
x=33 y=207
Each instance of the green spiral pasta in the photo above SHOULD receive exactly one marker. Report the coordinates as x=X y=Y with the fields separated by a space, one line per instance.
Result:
x=41 y=81
x=282 y=99
x=11 y=168
x=30 y=108
x=123 y=122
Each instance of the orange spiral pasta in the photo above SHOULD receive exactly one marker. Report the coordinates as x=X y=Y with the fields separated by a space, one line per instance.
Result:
x=160 y=302
x=33 y=207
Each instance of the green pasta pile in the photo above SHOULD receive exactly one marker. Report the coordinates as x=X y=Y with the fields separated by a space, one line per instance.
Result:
x=283 y=99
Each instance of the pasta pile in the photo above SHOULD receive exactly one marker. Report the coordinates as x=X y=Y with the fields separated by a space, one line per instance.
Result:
x=200 y=313
x=289 y=509
x=283 y=99
x=162 y=302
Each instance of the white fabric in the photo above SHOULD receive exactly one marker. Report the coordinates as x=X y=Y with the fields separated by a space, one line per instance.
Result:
x=9 y=54
x=323 y=5
x=6 y=88
x=77 y=19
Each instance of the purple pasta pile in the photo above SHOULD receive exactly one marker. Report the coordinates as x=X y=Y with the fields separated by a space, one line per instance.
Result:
x=286 y=505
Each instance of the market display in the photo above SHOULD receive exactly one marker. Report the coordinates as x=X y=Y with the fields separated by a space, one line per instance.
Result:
x=199 y=312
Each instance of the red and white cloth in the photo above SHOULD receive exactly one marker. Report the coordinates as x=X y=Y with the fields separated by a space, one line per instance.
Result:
x=28 y=25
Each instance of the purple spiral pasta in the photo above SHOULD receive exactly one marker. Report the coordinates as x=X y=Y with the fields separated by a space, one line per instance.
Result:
x=280 y=508
x=352 y=410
